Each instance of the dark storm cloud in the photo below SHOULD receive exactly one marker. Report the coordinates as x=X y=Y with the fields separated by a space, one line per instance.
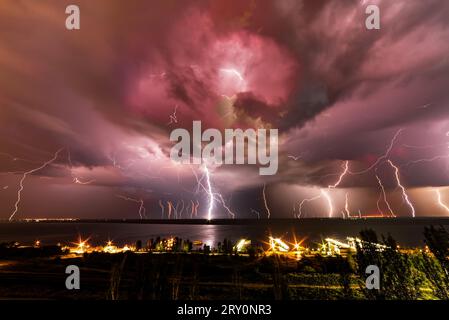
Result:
x=106 y=93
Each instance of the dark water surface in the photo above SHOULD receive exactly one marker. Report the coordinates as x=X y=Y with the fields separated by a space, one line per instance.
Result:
x=408 y=232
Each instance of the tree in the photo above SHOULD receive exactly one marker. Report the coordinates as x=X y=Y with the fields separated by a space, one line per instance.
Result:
x=367 y=254
x=400 y=279
x=435 y=275
x=437 y=239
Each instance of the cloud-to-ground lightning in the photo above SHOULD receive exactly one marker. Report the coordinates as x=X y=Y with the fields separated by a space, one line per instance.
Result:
x=212 y=195
x=195 y=210
x=329 y=202
x=209 y=192
x=225 y=206
x=379 y=209
x=182 y=209
x=404 y=192
x=256 y=212
x=176 y=209
x=326 y=194
x=142 y=210
x=301 y=204
x=162 y=209
x=265 y=202
x=25 y=174
x=192 y=208
x=440 y=200
x=348 y=213
x=384 y=194
x=170 y=206
x=197 y=204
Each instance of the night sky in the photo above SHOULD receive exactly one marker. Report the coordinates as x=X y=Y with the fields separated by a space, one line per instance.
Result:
x=108 y=95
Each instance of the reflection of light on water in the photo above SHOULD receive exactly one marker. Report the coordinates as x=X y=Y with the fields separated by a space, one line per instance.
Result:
x=6 y=263
x=209 y=243
x=209 y=236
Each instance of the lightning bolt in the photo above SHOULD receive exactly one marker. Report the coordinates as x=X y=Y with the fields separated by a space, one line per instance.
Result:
x=385 y=196
x=301 y=204
x=170 y=206
x=342 y=175
x=404 y=192
x=76 y=179
x=325 y=193
x=256 y=212
x=384 y=156
x=426 y=160
x=176 y=209
x=25 y=174
x=348 y=214
x=172 y=117
x=162 y=209
x=213 y=196
x=182 y=209
x=440 y=200
x=142 y=209
x=196 y=208
x=378 y=204
x=294 y=157
x=265 y=202
x=223 y=203
x=209 y=192
x=192 y=208
x=329 y=202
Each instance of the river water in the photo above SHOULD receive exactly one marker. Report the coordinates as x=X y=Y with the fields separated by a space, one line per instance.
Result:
x=407 y=233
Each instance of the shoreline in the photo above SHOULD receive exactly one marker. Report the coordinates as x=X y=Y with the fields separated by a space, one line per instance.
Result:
x=256 y=222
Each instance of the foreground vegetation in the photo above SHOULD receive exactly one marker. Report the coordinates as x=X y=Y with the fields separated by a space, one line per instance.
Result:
x=405 y=274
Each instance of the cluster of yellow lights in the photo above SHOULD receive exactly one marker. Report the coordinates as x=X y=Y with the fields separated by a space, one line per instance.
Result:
x=242 y=245
x=82 y=246
x=280 y=247
x=110 y=248
x=277 y=245
x=170 y=243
